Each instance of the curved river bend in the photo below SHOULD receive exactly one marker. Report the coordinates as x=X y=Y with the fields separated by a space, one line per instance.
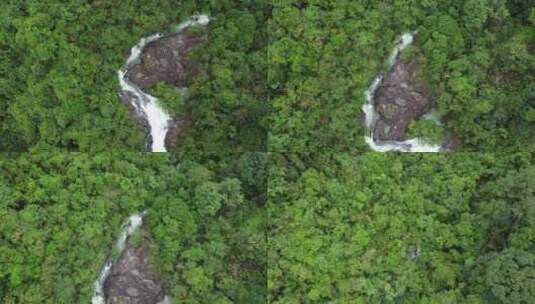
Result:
x=130 y=227
x=146 y=105
x=133 y=223
x=410 y=145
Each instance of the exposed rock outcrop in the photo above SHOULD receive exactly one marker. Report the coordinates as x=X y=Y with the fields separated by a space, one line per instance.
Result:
x=401 y=98
x=131 y=281
x=165 y=60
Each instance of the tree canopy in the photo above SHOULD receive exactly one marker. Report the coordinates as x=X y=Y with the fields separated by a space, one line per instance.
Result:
x=61 y=213
x=324 y=55
x=59 y=64
x=381 y=228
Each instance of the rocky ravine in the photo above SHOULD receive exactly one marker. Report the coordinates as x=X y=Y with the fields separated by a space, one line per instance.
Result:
x=131 y=281
x=400 y=99
x=167 y=59
x=394 y=100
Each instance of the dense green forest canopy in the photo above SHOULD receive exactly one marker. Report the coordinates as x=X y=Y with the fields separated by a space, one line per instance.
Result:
x=294 y=69
x=59 y=62
x=61 y=214
x=421 y=228
x=233 y=208
x=478 y=59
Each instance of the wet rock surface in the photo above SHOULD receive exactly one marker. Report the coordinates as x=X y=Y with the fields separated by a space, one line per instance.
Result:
x=400 y=99
x=165 y=60
x=131 y=281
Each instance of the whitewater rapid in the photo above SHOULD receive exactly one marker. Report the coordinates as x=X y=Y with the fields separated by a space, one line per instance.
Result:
x=148 y=107
x=410 y=145
x=145 y=104
x=133 y=223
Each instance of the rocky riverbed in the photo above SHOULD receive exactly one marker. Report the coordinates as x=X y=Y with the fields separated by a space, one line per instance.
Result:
x=155 y=59
x=166 y=60
x=401 y=98
x=394 y=101
x=131 y=281
x=129 y=278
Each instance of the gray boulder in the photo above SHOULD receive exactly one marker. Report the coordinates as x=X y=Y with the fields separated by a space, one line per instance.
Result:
x=401 y=98
x=165 y=60
x=131 y=281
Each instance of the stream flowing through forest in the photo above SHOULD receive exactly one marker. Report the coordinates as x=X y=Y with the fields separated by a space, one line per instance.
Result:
x=133 y=223
x=410 y=145
x=146 y=105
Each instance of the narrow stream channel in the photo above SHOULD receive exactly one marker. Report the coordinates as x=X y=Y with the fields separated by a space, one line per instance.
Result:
x=133 y=223
x=146 y=105
x=410 y=145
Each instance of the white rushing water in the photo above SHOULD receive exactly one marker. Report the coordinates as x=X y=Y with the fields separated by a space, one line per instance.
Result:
x=411 y=145
x=148 y=107
x=145 y=104
x=133 y=223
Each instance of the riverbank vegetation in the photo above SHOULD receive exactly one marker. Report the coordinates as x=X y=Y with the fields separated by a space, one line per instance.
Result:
x=478 y=60
x=294 y=69
x=406 y=228
x=233 y=216
x=409 y=228
x=59 y=62
x=429 y=131
x=61 y=214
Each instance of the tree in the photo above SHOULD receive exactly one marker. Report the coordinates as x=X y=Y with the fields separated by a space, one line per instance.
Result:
x=510 y=277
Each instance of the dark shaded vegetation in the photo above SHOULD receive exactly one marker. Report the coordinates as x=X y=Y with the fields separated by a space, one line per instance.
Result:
x=61 y=214
x=420 y=228
x=478 y=59
x=59 y=62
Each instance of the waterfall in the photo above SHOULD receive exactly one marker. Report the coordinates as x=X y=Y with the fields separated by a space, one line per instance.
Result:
x=410 y=145
x=146 y=105
x=133 y=223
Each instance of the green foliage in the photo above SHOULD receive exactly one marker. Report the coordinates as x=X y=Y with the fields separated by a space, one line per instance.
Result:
x=409 y=53
x=381 y=228
x=172 y=99
x=61 y=214
x=283 y=76
x=229 y=97
x=137 y=238
x=427 y=130
x=485 y=92
x=279 y=76
x=323 y=57
x=60 y=63
x=208 y=234
x=510 y=277
x=509 y=210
